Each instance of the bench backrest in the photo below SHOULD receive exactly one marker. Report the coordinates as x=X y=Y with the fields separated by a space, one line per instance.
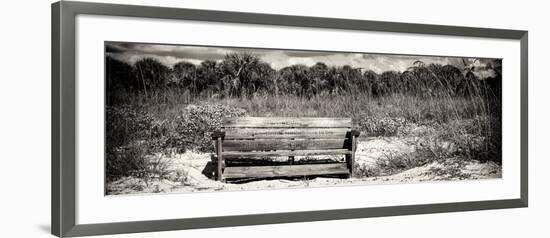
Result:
x=285 y=133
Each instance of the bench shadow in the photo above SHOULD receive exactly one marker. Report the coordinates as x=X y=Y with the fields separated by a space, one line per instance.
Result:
x=210 y=169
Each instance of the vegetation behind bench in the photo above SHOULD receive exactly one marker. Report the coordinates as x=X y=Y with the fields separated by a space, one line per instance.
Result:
x=257 y=138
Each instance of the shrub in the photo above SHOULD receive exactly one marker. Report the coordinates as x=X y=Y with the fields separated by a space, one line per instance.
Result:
x=132 y=135
x=477 y=139
x=125 y=162
x=450 y=169
x=365 y=171
x=136 y=160
x=390 y=163
x=125 y=125
x=194 y=128
x=393 y=164
x=381 y=126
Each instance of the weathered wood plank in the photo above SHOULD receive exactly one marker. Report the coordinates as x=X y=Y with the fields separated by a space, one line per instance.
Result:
x=286 y=122
x=283 y=144
x=285 y=133
x=260 y=154
x=284 y=170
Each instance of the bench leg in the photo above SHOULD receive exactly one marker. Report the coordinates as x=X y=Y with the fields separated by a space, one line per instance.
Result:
x=349 y=163
x=220 y=159
x=291 y=158
x=350 y=159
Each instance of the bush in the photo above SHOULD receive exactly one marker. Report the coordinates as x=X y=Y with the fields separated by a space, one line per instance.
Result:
x=132 y=135
x=477 y=139
x=194 y=128
x=125 y=125
x=125 y=162
x=381 y=126
x=365 y=171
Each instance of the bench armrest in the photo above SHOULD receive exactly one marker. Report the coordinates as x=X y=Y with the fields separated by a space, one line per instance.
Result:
x=218 y=134
x=355 y=133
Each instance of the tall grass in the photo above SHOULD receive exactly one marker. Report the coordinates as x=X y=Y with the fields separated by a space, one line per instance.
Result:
x=416 y=109
x=454 y=117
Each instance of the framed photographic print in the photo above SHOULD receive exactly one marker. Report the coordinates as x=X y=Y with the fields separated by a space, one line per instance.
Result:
x=166 y=118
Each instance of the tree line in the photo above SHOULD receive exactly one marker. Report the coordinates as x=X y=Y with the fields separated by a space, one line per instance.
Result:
x=244 y=75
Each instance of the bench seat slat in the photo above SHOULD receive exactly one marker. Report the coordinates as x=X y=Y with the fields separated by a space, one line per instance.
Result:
x=285 y=170
x=283 y=144
x=256 y=154
x=286 y=122
x=285 y=133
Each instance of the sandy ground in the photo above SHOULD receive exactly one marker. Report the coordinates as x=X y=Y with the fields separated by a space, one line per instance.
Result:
x=192 y=172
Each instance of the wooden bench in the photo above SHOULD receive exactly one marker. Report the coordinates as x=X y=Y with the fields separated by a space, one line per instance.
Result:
x=261 y=137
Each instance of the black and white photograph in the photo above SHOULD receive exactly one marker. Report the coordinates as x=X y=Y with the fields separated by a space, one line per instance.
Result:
x=189 y=118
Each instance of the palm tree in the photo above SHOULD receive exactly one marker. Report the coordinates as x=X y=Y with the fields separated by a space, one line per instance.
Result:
x=152 y=74
x=240 y=72
x=185 y=75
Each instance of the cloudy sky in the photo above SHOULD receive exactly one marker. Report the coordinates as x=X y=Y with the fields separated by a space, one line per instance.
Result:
x=172 y=54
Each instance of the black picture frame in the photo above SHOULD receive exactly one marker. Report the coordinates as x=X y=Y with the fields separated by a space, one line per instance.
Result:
x=64 y=107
